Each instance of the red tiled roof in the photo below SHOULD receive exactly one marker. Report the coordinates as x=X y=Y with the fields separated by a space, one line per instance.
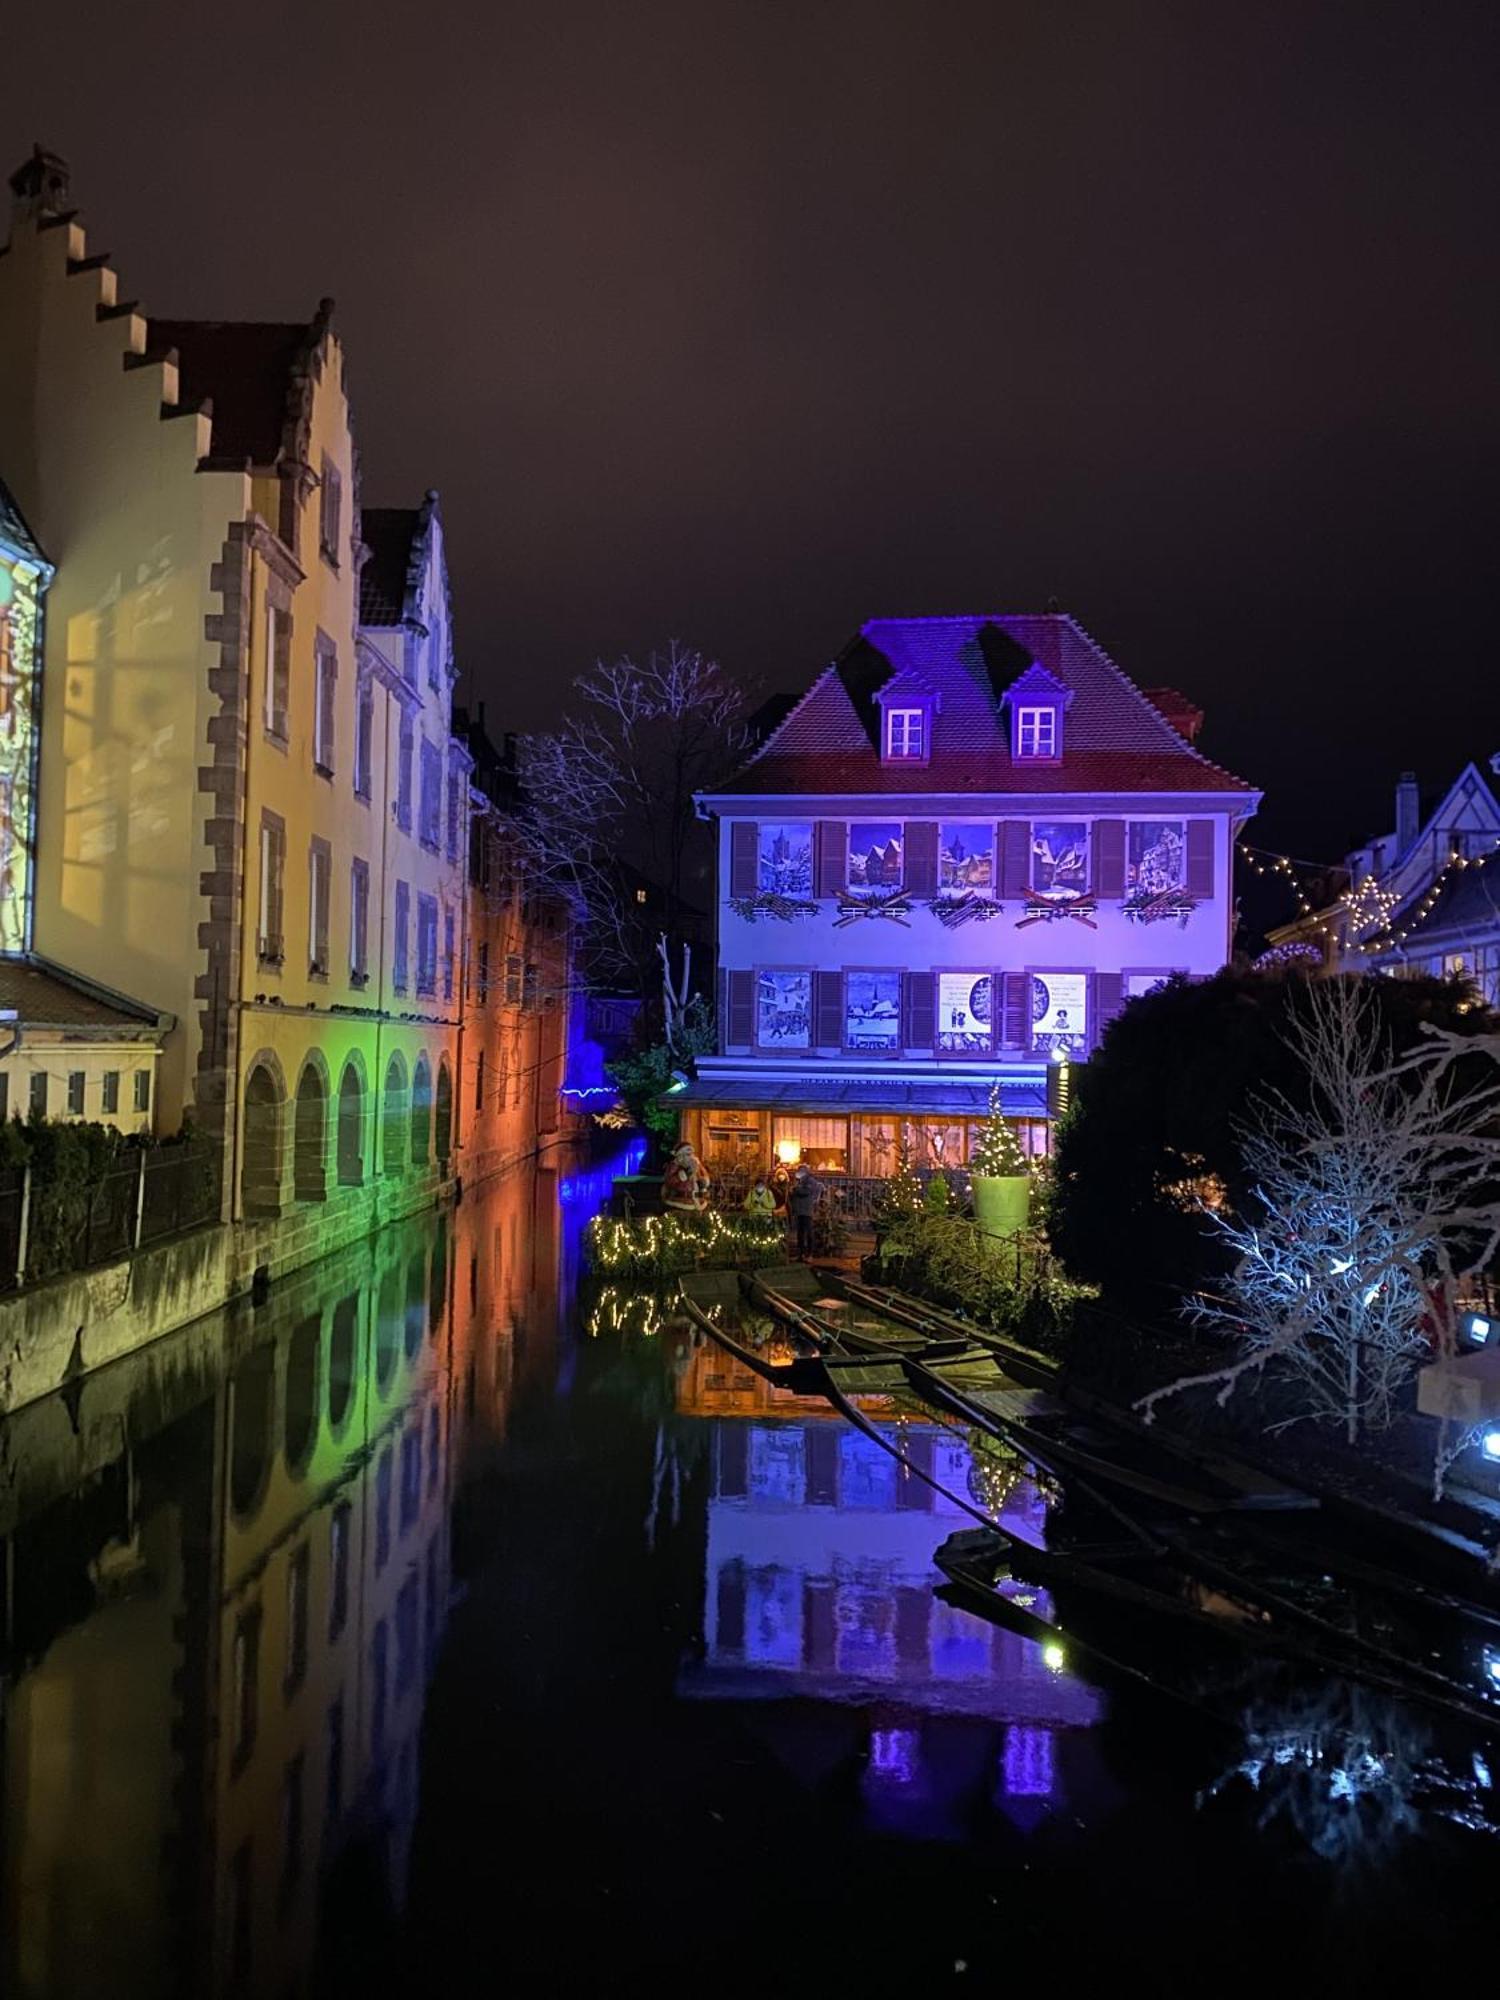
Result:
x=1114 y=739
x=245 y=367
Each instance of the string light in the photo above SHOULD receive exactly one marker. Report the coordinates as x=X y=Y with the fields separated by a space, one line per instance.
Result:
x=1367 y=907
x=653 y=1243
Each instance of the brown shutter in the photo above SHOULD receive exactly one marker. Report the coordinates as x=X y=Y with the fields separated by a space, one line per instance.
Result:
x=739 y=1031
x=828 y=1009
x=1108 y=998
x=1015 y=1009
x=830 y=877
x=921 y=1011
x=1109 y=857
x=1200 y=857
x=921 y=857
x=744 y=857
x=1015 y=857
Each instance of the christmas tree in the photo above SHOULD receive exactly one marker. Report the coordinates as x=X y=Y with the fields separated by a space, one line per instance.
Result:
x=904 y=1194
x=997 y=1151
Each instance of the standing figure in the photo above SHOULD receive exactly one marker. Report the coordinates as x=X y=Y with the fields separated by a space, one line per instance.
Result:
x=685 y=1184
x=803 y=1203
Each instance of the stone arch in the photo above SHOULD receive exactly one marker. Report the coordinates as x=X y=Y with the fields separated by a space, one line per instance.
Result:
x=393 y=1118
x=421 y=1112
x=260 y=1164
x=351 y=1133
x=252 y=1390
x=390 y=1319
x=416 y=1301
x=343 y=1358
x=299 y=1424
x=443 y=1126
x=310 y=1131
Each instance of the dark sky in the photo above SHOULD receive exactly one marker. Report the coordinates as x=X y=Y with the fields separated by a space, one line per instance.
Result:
x=745 y=323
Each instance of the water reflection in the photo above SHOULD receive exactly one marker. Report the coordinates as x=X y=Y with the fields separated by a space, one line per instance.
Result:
x=228 y=1572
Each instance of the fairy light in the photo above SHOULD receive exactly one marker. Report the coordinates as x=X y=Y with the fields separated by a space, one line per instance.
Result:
x=646 y=1242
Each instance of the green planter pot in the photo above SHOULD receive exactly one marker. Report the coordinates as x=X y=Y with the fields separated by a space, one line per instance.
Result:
x=1002 y=1207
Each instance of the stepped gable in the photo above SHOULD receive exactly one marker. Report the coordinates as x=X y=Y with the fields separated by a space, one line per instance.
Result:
x=1115 y=739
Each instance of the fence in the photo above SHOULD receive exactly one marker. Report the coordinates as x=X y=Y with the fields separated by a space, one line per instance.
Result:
x=854 y=1198
x=148 y=1193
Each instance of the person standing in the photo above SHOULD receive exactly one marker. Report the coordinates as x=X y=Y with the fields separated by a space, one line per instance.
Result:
x=759 y=1201
x=802 y=1203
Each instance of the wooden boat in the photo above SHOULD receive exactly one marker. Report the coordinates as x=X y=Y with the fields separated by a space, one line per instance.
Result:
x=786 y=1374
x=1028 y=1366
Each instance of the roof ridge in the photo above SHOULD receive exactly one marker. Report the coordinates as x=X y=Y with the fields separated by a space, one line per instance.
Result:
x=1176 y=734
x=795 y=710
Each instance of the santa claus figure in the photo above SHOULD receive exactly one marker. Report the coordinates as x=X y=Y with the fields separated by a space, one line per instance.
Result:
x=685 y=1184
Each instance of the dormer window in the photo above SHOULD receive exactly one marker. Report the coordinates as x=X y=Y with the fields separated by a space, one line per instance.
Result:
x=905 y=733
x=1036 y=732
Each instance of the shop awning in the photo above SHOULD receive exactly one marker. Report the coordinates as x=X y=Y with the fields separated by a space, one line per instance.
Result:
x=910 y=1098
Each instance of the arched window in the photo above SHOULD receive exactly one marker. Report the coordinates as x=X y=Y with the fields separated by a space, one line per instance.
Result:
x=416 y=1301
x=251 y=1388
x=351 y=1127
x=390 y=1316
x=393 y=1138
x=300 y=1425
x=260 y=1173
x=421 y=1112
x=437 y=1290
x=444 y=1133
x=310 y=1133
x=343 y=1349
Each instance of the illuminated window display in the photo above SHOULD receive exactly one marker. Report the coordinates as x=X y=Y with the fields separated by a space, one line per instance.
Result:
x=783 y=1013
x=872 y=1012
x=1059 y=857
x=964 y=1013
x=1155 y=856
x=24 y=576
x=966 y=859
x=785 y=861
x=874 y=857
x=1059 y=1012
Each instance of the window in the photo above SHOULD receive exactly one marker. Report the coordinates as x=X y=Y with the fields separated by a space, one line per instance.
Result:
x=874 y=857
x=244 y=1685
x=964 y=1013
x=479 y=1083
x=530 y=987
x=330 y=511
x=325 y=680
x=785 y=862
x=427 y=927
x=872 y=1012
x=143 y=1090
x=431 y=822
x=1155 y=856
x=402 y=806
x=1059 y=1012
x=319 y=885
x=278 y=670
x=448 y=953
x=512 y=979
x=75 y=1093
x=359 y=922
x=334 y=1775
x=457 y=791
x=272 y=874
x=338 y=1570
x=640 y=895
x=1059 y=858
x=298 y=1578
x=1036 y=731
x=364 y=736
x=398 y=942
x=38 y=1093
x=905 y=732
x=966 y=860
x=111 y=1098
x=1138 y=984
x=783 y=1011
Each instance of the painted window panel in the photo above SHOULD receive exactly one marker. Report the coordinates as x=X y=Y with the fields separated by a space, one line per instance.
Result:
x=1155 y=856
x=1059 y=857
x=875 y=857
x=785 y=859
x=1138 y=984
x=783 y=1011
x=1060 y=1012
x=965 y=1013
x=966 y=859
x=872 y=1012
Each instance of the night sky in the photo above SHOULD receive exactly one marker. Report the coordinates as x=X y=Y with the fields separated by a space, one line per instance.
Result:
x=742 y=324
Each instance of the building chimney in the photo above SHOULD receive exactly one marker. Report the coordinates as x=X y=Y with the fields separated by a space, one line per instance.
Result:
x=1408 y=812
x=39 y=186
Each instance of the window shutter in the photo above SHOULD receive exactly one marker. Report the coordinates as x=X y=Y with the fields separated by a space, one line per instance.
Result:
x=1015 y=857
x=921 y=857
x=739 y=1014
x=921 y=1011
x=1200 y=857
x=831 y=877
x=744 y=857
x=1109 y=857
x=828 y=1009
x=1108 y=998
x=1015 y=1009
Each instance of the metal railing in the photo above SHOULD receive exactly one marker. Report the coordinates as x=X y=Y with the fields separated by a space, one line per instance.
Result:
x=48 y=1228
x=853 y=1198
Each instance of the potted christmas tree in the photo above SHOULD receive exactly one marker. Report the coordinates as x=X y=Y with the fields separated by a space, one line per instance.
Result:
x=1002 y=1185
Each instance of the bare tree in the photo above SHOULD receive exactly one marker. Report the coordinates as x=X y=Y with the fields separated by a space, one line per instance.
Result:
x=1373 y=1199
x=609 y=793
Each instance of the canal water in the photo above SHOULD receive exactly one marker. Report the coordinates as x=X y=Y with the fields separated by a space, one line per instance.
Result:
x=444 y=1625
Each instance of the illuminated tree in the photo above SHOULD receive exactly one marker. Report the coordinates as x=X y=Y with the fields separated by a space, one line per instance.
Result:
x=997 y=1151
x=1372 y=1196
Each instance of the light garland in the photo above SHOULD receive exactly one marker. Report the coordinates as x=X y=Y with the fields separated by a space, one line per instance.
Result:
x=650 y=1244
x=1388 y=939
